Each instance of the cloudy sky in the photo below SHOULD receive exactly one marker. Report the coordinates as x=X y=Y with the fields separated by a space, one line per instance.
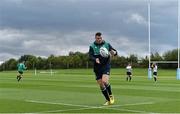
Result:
x=44 y=27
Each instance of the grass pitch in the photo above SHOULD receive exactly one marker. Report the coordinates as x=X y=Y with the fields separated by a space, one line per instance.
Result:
x=76 y=91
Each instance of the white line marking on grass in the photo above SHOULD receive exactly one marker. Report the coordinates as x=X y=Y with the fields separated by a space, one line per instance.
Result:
x=45 y=102
x=122 y=109
x=143 y=103
x=91 y=107
x=66 y=110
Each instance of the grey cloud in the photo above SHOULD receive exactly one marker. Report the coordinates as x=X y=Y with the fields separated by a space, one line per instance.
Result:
x=44 y=27
x=27 y=42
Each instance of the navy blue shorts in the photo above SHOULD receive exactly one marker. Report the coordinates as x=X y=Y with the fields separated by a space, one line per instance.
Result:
x=155 y=73
x=128 y=73
x=99 y=71
x=20 y=72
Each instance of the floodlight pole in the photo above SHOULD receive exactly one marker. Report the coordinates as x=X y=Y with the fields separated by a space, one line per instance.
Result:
x=149 y=38
x=178 y=69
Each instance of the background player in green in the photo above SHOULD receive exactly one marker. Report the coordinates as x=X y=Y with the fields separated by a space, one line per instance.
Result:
x=102 y=66
x=21 y=67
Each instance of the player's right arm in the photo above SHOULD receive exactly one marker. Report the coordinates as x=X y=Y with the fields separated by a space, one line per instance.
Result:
x=91 y=56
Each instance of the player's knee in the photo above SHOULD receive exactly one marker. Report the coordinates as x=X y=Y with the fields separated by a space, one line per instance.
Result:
x=100 y=83
x=105 y=82
x=102 y=87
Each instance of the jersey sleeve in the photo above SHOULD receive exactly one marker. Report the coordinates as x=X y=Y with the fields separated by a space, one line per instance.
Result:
x=111 y=48
x=91 y=54
x=24 y=67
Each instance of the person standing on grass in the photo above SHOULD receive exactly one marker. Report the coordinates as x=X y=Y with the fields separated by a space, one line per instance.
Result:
x=155 y=68
x=129 y=72
x=102 y=66
x=21 y=67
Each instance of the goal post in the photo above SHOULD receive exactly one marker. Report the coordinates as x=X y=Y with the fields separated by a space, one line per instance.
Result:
x=149 y=42
x=164 y=62
x=48 y=71
x=178 y=69
x=149 y=38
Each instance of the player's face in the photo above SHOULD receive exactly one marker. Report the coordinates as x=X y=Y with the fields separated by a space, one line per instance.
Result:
x=98 y=39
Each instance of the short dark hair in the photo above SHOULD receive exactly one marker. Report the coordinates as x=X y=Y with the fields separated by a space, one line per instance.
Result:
x=98 y=34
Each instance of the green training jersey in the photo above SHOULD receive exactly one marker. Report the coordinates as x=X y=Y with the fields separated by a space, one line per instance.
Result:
x=96 y=47
x=21 y=67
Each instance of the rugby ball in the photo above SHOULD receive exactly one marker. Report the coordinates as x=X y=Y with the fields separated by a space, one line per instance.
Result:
x=104 y=52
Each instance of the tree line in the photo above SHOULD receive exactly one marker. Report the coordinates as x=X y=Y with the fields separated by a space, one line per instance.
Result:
x=81 y=60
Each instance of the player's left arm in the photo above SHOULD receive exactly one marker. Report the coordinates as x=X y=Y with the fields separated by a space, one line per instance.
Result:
x=24 y=67
x=112 y=50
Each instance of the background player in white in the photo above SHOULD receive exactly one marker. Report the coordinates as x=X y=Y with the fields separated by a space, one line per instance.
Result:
x=155 y=68
x=129 y=72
